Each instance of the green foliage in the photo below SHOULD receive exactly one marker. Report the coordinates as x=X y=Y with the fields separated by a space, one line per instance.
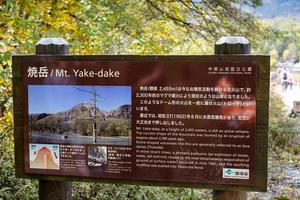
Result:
x=282 y=198
x=134 y=26
x=83 y=127
x=51 y=125
x=115 y=127
x=134 y=192
x=282 y=129
x=284 y=38
x=11 y=187
x=57 y=125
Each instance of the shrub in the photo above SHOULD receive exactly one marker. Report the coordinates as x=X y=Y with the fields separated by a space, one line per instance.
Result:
x=282 y=129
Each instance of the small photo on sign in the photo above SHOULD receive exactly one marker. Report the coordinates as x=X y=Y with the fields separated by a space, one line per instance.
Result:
x=97 y=156
x=77 y=114
x=44 y=156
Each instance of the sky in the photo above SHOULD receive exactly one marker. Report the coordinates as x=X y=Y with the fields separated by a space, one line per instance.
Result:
x=57 y=98
x=277 y=8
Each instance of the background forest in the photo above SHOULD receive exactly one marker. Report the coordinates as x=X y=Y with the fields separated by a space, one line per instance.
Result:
x=153 y=27
x=77 y=120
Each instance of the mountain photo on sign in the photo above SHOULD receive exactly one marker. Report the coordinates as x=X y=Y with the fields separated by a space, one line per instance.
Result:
x=75 y=114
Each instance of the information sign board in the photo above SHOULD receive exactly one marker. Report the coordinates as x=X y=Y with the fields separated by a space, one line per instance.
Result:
x=169 y=119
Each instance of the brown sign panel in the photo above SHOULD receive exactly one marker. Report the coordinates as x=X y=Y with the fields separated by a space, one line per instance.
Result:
x=165 y=120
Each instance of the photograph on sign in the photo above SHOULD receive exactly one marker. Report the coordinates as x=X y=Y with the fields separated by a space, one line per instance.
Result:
x=97 y=156
x=80 y=114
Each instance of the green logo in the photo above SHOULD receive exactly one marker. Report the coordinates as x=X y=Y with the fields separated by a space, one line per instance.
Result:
x=229 y=171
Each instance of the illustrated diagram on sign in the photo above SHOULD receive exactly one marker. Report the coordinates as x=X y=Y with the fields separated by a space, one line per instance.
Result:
x=44 y=156
x=77 y=114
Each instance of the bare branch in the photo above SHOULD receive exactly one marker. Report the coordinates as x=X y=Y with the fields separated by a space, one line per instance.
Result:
x=181 y=22
x=82 y=90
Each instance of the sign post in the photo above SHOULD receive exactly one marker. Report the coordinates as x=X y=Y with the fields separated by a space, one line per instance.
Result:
x=53 y=190
x=231 y=45
x=171 y=120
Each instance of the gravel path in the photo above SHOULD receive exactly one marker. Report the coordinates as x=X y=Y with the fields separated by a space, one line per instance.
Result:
x=283 y=181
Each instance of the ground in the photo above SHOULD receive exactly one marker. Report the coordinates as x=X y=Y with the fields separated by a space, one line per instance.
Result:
x=289 y=95
x=283 y=179
x=283 y=169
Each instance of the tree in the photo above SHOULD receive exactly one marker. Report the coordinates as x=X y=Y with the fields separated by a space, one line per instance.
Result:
x=82 y=127
x=290 y=53
x=274 y=58
x=284 y=38
x=93 y=111
x=151 y=26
